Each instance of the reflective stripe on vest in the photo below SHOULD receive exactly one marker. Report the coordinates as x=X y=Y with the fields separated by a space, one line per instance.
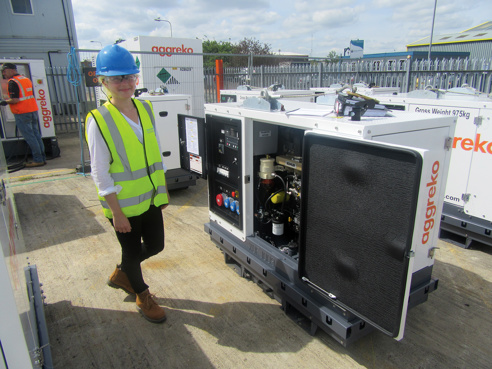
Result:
x=27 y=102
x=118 y=177
x=131 y=201
x=147 y=183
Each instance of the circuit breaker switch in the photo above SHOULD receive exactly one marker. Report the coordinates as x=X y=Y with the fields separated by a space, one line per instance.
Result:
x=219 y=200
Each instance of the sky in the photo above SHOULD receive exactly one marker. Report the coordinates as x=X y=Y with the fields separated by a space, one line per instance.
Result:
x=300 y=26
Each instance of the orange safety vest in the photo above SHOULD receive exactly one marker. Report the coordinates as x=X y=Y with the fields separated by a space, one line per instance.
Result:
x=27 y=103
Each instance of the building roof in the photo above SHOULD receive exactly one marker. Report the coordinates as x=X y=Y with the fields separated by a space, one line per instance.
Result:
x=414 y=54
x=288 y=53
x=482 y=32
x=487 y=26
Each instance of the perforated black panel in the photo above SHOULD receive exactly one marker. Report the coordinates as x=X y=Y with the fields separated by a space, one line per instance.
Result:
x=358 y=212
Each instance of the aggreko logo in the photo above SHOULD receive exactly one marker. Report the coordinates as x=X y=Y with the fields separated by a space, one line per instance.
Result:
x=469 y=144
x=173 y=49
x=45 y=110
x=431 y=210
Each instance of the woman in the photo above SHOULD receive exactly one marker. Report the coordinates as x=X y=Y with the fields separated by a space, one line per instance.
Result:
x=129 y=175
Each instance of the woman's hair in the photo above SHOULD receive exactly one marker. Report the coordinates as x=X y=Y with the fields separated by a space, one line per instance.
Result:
x=103 y=87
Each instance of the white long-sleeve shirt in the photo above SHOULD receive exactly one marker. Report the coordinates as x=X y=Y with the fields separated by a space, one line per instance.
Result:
x=101 y=157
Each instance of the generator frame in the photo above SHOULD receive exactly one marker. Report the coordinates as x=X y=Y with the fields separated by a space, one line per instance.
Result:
x=278 y=273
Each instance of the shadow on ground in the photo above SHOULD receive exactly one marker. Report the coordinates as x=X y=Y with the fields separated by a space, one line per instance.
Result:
x=440 y=333
x=84 y=337
x=52 y=219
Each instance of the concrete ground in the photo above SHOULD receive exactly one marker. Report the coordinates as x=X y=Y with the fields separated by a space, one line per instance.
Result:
x=215 y=318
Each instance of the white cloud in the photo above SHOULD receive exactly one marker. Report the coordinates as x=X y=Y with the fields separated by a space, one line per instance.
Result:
x=289 y=25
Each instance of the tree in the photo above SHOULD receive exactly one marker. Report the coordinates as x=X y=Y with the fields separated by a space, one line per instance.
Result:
x=216 y=47
x=332 y=57
x=252 y=46
x=245 y=47
x=222 y=47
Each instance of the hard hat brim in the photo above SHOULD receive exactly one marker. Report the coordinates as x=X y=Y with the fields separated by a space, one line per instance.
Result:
x=118 y=72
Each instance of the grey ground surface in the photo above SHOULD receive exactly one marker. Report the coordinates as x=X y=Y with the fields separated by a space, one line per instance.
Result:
x=215 y=318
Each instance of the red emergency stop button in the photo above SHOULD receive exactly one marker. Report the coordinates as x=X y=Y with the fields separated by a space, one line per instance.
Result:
x=233 y=194
x=219 y=199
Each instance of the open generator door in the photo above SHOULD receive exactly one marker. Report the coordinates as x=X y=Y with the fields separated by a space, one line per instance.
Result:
x=192 y=150
x=358 y=213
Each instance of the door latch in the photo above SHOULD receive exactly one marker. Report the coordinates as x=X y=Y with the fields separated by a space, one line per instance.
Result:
x=448 y=143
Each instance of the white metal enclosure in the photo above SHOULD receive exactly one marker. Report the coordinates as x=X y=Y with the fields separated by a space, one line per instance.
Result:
x=272 y=186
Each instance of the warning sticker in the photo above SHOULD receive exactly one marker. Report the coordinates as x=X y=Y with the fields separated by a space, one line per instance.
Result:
x=163 y=75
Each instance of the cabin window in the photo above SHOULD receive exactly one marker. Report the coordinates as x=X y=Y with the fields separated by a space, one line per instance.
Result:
x=402 y=64
x=376 y=65
x=21 y=6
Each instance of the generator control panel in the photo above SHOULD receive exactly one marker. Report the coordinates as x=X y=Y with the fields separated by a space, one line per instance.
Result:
x=225 y=168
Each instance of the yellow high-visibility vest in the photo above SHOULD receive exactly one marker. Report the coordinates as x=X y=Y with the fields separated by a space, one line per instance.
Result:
x=136 y=167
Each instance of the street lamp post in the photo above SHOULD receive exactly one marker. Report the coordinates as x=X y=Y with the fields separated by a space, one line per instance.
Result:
x=432 y=33
x=99 y=42
x=158 y=19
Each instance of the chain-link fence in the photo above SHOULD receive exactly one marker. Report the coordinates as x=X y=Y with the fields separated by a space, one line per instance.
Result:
x=197 y=75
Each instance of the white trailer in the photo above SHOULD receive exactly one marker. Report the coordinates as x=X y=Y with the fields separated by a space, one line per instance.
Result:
x=467 y=208
x=23 y=333
x=10 y=136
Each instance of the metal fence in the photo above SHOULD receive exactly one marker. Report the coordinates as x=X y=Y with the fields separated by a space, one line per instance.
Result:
x=259 y=72
x=406 y=74
x=65 y=106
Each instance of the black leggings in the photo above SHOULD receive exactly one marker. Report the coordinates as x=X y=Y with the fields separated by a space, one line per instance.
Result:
x=149 y=228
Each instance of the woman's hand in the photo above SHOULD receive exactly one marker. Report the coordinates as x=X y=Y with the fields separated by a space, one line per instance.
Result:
x=121 y=223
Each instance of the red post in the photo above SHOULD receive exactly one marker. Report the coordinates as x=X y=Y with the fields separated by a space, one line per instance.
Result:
x=219 y=80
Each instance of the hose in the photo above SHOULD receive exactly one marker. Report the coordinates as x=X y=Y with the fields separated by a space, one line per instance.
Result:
x=14 y=167
x=74 y=77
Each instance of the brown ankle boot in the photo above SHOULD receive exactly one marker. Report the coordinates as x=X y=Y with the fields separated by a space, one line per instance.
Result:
x=149 y=308
x=119 y=279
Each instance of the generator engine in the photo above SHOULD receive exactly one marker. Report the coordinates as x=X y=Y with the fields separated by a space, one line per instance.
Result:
x=278 y=200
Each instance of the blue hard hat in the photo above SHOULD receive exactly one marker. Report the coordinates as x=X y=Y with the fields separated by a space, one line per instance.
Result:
x=114 y=60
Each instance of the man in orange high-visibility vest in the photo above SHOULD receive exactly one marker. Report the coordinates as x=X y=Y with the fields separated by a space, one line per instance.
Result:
x=23 y=105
